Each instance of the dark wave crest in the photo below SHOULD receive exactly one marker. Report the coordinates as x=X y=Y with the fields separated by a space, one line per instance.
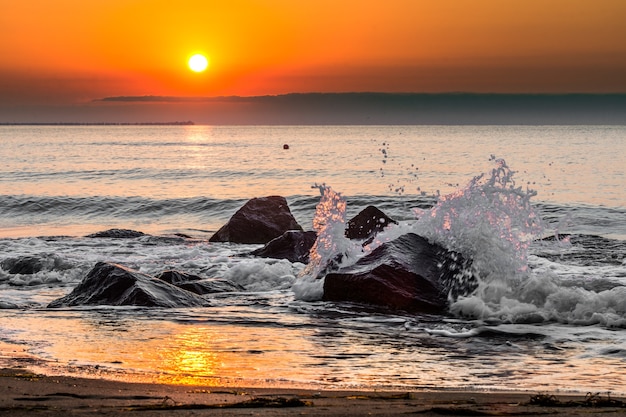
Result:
x=86 y=208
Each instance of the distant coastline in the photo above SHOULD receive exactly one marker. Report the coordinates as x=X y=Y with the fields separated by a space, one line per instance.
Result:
x=187 y=123
x=363 y=108
x=365 y=96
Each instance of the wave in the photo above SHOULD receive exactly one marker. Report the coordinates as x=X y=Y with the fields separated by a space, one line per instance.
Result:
x=123 y=207
x=194 y=212
x=492 y=222
x=523 y=276
x=585 y=219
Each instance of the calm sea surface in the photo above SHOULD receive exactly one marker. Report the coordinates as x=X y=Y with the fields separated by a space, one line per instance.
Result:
x=550 y=314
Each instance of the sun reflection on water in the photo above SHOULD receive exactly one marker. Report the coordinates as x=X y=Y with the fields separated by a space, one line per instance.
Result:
x=222 y=355
x=185 y=358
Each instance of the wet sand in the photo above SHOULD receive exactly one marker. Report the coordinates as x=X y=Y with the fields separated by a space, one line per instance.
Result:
x=23 y=393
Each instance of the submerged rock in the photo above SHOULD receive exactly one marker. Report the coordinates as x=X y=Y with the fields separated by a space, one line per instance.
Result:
x=113 y=284
x=259 y=221
x=367 y=223
x=293 y=245
x=198 y=285
x=408 y=273
x=117 y=234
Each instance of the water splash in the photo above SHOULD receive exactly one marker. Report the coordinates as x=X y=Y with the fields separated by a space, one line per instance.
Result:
x=405 y=175
x=331 y=250
x=490 y=217
x=329 y=222
x=492 y=222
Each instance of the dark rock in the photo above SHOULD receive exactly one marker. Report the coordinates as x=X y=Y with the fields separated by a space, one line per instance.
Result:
x=293 y=245
x=258 y=221
x=178 y=277
x=198 y=285
x=211 y=286
x=408 y=273
x=183 y=235
x=113 y=284
x=118 y=234
x=367 y=223
x=28 y=265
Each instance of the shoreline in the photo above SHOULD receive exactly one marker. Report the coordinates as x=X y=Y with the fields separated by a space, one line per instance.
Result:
x=23 y=393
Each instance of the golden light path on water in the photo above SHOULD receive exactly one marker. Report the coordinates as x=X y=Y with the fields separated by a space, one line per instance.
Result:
x=273 y=356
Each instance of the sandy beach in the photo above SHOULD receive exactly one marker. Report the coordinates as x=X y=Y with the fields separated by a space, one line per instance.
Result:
x=23 y=393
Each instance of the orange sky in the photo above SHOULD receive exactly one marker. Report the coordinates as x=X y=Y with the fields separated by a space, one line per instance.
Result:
x=70 y=51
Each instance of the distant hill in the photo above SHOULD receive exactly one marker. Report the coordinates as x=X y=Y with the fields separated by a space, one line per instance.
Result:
x=334 y=109
x=405 y=108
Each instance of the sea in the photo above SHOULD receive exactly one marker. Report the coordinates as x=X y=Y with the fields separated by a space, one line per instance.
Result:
x=540 y=210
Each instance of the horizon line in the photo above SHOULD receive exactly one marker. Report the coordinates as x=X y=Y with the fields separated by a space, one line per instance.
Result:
x=239 y=98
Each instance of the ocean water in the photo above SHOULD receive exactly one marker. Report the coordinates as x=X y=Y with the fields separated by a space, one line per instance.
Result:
x=540 y=209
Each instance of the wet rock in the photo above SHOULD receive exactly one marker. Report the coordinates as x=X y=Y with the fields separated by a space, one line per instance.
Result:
x=117 y=234
x=113 y=284
x=293 y=245
x=408 y=273
x=367 y=223
x=26 y=265
x=259 y=221
x=29 y=265
x=178 y=277
x=198 y=285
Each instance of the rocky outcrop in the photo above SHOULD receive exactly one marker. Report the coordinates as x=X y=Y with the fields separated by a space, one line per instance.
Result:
x=293 y=245
x=113 y=284
x=259 y=221
x=367 y=223
x=408 y=273
x=198 y=285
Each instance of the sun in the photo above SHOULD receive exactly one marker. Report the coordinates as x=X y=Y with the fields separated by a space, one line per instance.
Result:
x=198 y=63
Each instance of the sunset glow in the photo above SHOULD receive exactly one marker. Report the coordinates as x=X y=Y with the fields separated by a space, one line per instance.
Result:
x=267 y=48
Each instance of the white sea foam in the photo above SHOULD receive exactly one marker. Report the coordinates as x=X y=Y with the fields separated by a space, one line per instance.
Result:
x=308 y=288
x=262 y=275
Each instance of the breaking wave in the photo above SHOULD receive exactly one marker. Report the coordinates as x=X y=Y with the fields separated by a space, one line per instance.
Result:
x=493 y=222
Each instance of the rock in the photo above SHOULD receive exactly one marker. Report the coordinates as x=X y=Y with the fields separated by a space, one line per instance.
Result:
x=367 y=223
x=293 y=245
x=28 y=265
x=178 y=277
x=408 y=273
x=258 y=221
x=118 y=234
x=198 y=285
x=113 y=284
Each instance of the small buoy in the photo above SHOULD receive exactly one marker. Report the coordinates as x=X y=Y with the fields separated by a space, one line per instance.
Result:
x=285 y=146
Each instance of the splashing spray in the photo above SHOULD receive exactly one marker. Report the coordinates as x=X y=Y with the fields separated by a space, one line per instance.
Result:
x=331 y=249
x=492 y=222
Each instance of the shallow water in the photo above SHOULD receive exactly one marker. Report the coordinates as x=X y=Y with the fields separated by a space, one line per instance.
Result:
x=550 y=315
